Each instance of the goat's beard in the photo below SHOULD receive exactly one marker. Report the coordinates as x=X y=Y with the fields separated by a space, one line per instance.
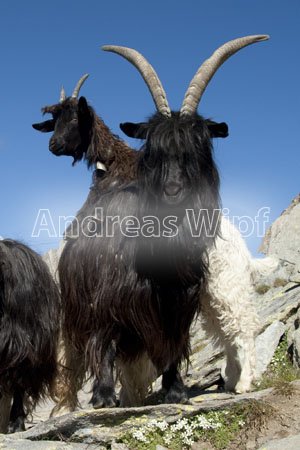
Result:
x=177 y=251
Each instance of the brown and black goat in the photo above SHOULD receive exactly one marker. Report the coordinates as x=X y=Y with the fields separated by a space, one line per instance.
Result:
x=29 y=326
x=78 y=132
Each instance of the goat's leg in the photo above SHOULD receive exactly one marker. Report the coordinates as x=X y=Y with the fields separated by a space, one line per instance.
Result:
x=17 y=413
x=136 y=379
x=173 y=385
x=233 y=328
x=5 y=407
x=71 y=378
x=104 y=395
x=240 y=368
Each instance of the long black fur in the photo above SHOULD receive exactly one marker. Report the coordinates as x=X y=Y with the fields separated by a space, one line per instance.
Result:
x=29 y=325
x=143 y=293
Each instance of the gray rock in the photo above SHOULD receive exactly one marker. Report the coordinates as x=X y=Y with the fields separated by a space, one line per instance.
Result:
x=266 y=344
x=283 y=237
x=24 y=444
x=115 y=446
x=277 y=304
x=296 y=348
x=104 y=426
x=289 y=443
x=206 y=362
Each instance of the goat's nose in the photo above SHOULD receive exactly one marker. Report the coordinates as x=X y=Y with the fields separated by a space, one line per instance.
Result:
x=54 y=144
x=172 y=188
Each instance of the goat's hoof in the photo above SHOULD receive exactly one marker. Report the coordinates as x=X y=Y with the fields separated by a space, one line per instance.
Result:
x=17 y=425
x=105 y=399
x=176 y=396
x=109 y=402
x=242 y=387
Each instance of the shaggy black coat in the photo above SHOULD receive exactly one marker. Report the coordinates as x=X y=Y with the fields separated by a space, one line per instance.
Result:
x=29 y=325
x=143 y=293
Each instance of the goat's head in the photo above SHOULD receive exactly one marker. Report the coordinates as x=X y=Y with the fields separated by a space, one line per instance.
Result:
x=177 y=160
x=71 y=124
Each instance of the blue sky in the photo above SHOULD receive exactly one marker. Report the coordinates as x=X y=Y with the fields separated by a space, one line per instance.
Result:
x=47 y=44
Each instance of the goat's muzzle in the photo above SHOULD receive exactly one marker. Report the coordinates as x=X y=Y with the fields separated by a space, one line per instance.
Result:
x=172 y=189
x=55 y=146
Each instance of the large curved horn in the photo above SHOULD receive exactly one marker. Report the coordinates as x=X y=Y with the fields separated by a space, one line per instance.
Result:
x=62 y=95
x=78 y=85
x=147 y=72
x=208 y=69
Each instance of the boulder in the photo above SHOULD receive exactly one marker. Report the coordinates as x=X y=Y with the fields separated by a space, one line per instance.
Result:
x=283 y=237
x=266 y=344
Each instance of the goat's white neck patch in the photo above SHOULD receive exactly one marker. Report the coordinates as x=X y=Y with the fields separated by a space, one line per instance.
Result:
x=100 y=166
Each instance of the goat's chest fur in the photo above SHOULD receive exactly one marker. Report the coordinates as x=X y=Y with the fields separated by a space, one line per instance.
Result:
x=142 y=292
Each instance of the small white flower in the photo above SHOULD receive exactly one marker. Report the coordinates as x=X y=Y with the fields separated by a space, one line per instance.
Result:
x=168 y=438
x=203 y=423
x=182 y=423
x=188 y=441
x=162 y=425
x=139 y=436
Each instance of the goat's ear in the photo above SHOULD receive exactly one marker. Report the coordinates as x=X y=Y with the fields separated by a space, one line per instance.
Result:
x=44 y=127
x=217 y=130
x=135 y=130
x=85 y=116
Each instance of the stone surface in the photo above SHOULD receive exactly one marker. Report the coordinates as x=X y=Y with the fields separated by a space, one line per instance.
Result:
x=8 y=443
x=289 y=443
x=106 y=425
x=296 y=348
x=266 y=344
x=283 y=237
x=116 y=446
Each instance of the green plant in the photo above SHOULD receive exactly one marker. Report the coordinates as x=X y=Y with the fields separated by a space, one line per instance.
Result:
x=217 y=427
x=280 y=282
x=280 y=371
x=262 y=288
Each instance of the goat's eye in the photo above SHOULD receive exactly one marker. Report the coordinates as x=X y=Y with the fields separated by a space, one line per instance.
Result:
x=74 y=120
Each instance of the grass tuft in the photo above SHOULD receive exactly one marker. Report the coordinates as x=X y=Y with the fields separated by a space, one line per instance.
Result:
x=280 y=371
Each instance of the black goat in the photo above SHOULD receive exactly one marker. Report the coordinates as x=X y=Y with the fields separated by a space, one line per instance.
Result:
x=29 y=326
x=142 y=294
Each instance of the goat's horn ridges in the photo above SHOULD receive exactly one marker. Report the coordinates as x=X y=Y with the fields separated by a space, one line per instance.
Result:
x=148 y=73
x=207 y=70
